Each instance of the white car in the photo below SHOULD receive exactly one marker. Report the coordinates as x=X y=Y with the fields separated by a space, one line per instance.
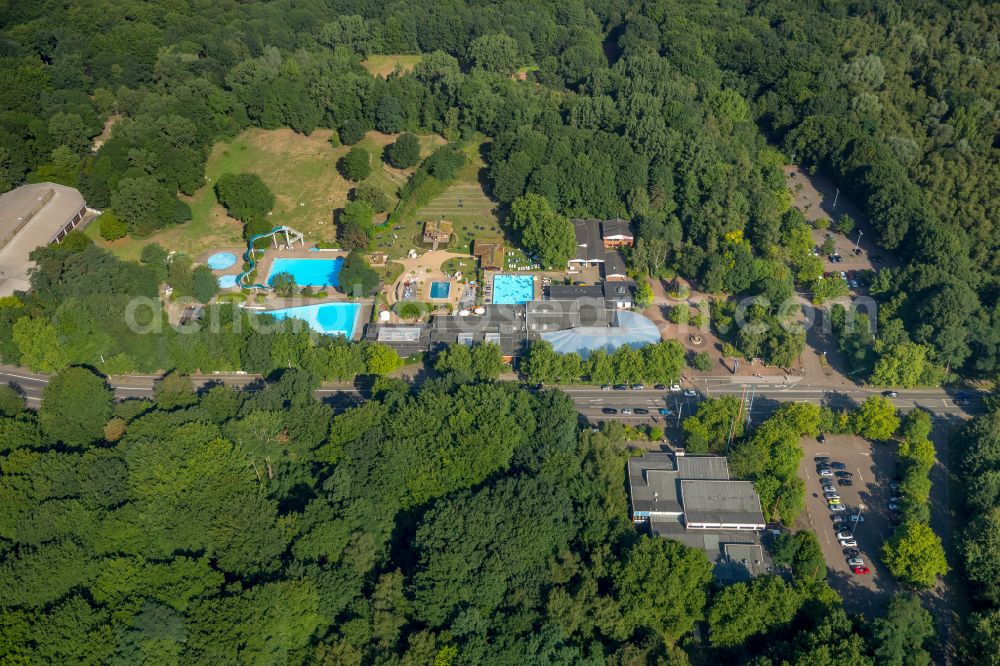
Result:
x=837 y=507
x=845 y=535
x=675 y=388
x=856 y=562
x=690 y=393
x=824 y=471
x=831 y=494
x=626 y=412
x=848 y=543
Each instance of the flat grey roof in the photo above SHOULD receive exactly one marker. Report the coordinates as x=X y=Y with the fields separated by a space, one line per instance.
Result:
x=736 y=554
x=399 y=334
x=31 y=216
x=728 y=502
x=568 y=291
x=703 y=467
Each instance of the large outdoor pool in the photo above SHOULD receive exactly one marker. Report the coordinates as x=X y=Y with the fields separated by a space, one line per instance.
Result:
x=329 y=318
x=513 y=289
x=309 y=272
x=440 y=289
x=220 y=261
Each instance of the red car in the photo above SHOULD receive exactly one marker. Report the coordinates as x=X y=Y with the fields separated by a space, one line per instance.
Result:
x=861 y=570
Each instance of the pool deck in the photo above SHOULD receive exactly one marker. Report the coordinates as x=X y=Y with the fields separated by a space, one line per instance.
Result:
x=489 y=275
x=424 y=270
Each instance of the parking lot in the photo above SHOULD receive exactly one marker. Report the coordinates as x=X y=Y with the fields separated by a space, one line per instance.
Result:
x=872 y=472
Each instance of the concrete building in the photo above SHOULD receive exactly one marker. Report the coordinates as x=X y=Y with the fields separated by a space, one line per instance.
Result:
x=692 y=499
x=33 y=216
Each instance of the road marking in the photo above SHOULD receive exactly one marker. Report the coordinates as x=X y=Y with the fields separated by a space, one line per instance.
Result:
x=131 y=388
x=30 y=379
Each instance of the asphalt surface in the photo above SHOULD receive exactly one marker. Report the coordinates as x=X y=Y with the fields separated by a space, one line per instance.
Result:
x=591 y=401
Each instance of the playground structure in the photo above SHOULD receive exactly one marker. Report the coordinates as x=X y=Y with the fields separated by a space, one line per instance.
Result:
x=291 y=236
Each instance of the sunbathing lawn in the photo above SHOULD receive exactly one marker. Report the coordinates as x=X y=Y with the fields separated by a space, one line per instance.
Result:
x=300 y=170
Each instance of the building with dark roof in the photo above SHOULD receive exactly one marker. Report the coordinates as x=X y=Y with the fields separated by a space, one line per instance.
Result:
x=596 y=243
x=503 y=325
x=693 y=500
x=616 y=233
x=406 y=339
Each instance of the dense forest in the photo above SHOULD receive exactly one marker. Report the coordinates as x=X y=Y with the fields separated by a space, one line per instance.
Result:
x=457 y=524
x=676 y=115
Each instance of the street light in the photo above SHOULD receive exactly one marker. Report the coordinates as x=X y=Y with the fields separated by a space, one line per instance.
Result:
x=857 y=519
x=858 y=243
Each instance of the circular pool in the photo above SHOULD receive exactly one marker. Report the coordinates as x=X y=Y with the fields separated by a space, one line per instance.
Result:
x=227 y=281
x=220 y=261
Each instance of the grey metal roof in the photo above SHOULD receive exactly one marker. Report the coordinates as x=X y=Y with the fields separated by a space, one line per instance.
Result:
x=568 y=291
x=559 y=315
x=618 y=290
x=31 y=216
x=720 y=502
x=616 y=227
x=736 y=554
x=654 y=473
x=703 y=467
x=614 y=264
x=589 y=244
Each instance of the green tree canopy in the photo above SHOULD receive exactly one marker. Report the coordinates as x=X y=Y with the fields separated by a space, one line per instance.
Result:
x=75 y=406
x=245 y=196
x=356 y=165
x=404 y=152
x=543 y=231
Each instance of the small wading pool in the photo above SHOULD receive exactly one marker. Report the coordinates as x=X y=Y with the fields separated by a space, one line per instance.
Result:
x=329 y=318
x=220 y=261
x=309 y=272
x=227 y=281
x=513 y=289
x=440 y=289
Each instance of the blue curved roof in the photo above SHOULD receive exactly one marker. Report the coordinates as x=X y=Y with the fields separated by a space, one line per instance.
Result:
x=629 y=328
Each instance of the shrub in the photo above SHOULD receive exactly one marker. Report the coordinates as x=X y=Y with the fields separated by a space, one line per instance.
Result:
x=111 y=227
x=372 y=195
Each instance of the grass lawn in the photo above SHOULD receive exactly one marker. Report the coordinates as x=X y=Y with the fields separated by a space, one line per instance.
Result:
x=300 y=170
x=464 y=203
x=384 y=65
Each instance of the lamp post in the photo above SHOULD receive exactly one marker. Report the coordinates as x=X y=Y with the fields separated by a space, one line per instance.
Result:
x=857 y=519
x=858 y=243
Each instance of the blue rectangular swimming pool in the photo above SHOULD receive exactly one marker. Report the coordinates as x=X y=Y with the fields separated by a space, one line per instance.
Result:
x=440 y=289
x=513 y=289
x=329 y=318
x=309 y=272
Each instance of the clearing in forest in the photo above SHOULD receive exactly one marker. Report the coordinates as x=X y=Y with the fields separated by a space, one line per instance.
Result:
x=300 y=170
x=384 y=65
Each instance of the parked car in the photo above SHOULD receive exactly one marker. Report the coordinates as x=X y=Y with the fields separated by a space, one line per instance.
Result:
x=861 y=571
x=638 y=387
x=831 y=494
x=626 y=412
x=838 y=519
x=845 y=475
x=848 y=543
x=826 y=483
x=893 y=506
x=675 y=388
x=640 y=410
x=660 y=387
x=837 y=507
x=821 y=460
x=856 y=562
x=855 y=518
x=834 y=502
x=821 y=438
x=845 y=535
x=606 y=387
x=691 y=393
x=619 y=387
x=838 y=466
x=890 y=394
x=851 y=552
x=824 y=471
x=665 y=412
x=847 y=483
x=609 y=410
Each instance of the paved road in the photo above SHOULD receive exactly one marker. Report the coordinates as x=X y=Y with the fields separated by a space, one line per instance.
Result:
x=590 y=400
